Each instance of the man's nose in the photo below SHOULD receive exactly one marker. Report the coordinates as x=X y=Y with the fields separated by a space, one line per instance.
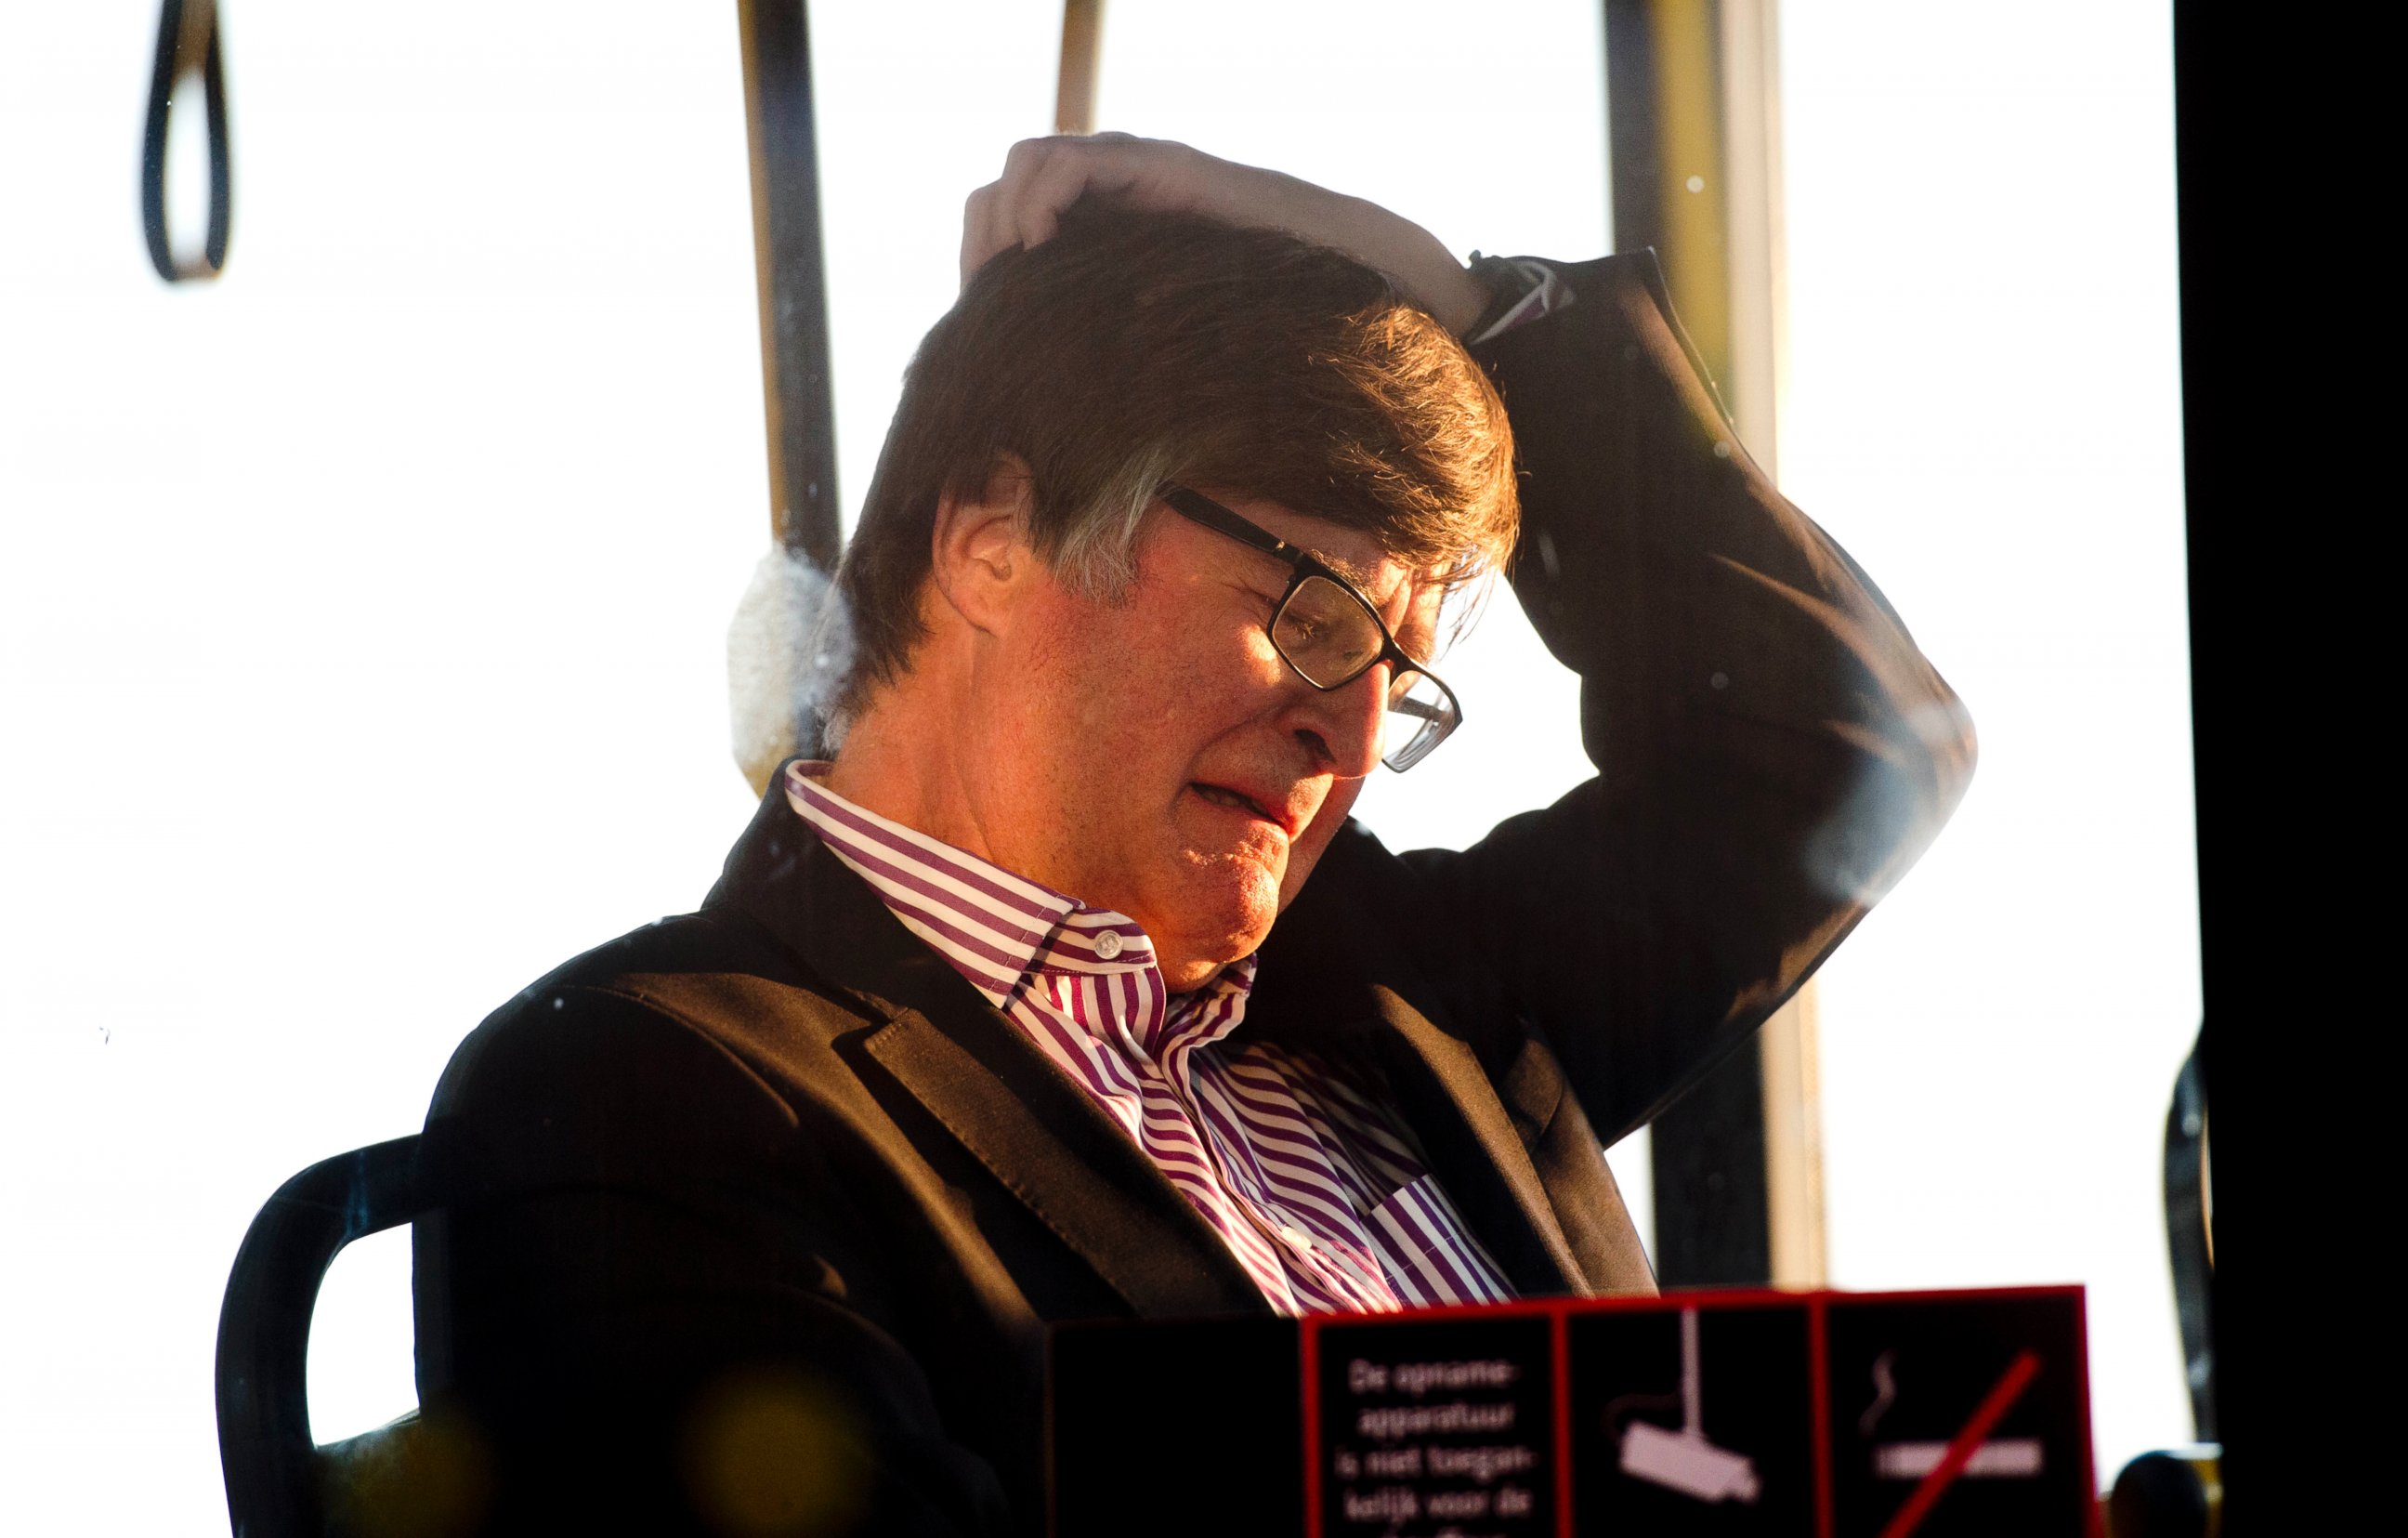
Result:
x=1343 y=726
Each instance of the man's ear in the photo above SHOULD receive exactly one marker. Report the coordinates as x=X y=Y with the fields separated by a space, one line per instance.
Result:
x=980 y=558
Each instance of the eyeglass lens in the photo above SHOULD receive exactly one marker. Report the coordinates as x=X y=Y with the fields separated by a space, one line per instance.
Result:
x=1327 y=633
x=1420 y=714
x=1328 y=636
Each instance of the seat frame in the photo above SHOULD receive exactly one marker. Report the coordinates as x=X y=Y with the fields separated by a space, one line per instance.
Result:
x=274 y=1484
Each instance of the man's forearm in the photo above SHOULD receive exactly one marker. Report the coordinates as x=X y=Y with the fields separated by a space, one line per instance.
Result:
x=1660 y=563
x=1772 y=749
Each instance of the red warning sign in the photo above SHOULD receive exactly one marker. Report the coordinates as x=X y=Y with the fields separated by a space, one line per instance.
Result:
x=1933 y=1415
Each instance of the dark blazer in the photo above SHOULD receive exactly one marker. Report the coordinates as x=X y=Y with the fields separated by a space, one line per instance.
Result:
x=778 y=1148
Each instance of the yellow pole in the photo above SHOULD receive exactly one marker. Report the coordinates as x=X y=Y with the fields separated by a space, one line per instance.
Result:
x=1074 y=98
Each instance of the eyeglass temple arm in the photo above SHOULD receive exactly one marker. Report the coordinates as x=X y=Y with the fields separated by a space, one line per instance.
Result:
x=1212 y=516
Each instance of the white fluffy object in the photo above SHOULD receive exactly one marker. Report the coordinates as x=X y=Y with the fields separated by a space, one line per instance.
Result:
x=788 y=650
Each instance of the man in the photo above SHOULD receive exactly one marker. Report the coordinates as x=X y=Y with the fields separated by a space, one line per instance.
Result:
x=1068 y=989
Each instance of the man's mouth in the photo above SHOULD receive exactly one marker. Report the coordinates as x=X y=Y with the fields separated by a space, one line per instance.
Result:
x=1239 y=801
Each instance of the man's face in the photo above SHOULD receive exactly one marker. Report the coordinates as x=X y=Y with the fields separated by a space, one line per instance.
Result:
x=1156 y=756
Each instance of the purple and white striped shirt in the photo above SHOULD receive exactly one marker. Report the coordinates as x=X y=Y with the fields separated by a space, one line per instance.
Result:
x=1305 y=1176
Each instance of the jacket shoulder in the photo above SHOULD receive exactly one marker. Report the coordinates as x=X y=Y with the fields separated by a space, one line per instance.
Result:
x=667 y=1025
x=716 y=938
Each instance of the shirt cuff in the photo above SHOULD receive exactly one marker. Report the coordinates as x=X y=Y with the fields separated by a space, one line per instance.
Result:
x=1525 y=290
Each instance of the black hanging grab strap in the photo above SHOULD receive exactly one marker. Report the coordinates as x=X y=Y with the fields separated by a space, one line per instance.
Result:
x=187 y=40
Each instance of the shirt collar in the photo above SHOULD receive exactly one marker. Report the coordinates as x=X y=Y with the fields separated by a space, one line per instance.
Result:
x=1010 y=936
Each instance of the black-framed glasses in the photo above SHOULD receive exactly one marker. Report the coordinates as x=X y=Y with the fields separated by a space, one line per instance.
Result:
x=1327 y=632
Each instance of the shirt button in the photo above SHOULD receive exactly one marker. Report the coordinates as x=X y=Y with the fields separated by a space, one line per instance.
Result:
x=1296 y=1236
x=1108 y=944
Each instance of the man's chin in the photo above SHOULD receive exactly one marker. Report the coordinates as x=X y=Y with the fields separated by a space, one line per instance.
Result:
x=1221 y=913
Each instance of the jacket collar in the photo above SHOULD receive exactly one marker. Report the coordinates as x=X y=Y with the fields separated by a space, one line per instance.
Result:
x=992 y=1089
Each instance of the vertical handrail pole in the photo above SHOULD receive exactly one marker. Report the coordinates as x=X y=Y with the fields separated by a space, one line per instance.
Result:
x=1693 y=138
x=790 y=267
x=1083 y=38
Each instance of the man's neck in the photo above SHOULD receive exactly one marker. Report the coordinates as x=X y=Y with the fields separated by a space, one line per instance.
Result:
x=898 y=761
x=903 y=758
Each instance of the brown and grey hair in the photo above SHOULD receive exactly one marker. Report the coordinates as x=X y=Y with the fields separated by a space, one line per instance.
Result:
x=1134 y=350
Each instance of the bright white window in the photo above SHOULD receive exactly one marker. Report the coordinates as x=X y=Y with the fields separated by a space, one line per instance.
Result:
x=1984 y=405
x=363 y=615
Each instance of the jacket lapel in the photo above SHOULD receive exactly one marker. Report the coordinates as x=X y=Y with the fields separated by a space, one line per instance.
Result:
x=983 y=1079
x=1334 y=978
x=1051 y=1148
x=1447 y=1099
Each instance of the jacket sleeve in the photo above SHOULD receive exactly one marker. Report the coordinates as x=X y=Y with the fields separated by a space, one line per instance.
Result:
x=641 y=1300
x=1773 y=752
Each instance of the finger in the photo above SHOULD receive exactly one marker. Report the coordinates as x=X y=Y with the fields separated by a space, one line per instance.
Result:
x=999 y=229
x=1147 y=173
x=994 y=231
x=1165 y=177
x=977 y=212
x=989 y=228
x=1062 y=180
x=992 y=222
x=990 y=235
x=1043 y=177
x=1020 y=168
x=985 y=234
x=1118 y=167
